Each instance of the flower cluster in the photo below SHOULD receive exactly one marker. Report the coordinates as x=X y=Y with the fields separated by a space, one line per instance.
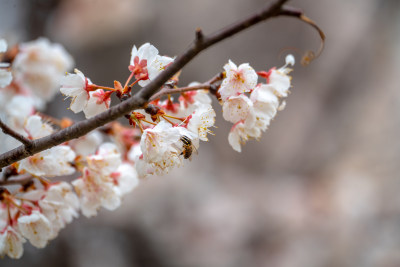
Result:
x=252 y=113
x=110 y=161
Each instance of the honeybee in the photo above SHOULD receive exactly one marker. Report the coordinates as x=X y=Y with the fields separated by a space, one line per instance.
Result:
x=188 y=147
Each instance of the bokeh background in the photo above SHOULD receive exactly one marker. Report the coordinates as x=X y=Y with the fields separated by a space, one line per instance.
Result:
x=319 y=189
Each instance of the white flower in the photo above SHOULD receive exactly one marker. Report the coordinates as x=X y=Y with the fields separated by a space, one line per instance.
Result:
x=60 y=205
x=155 y=67
x=280 y=80
x=126 y=178
x=40 y=65
x=98 y=102
x=161 y=149
x=106 y=160
x=86 y=144
x=35 y=128
x=11 y=243
x=202 y=119
x=18 y=110
x=36 y=228
x=146 y=64
x=237 y=108
x=51 y=162
x=104 y=181
x=142 y=167
x=266 y=104
x=238 y=80
x=95 y=191
x=252 y=122
x=76 y=86
x=240 y=133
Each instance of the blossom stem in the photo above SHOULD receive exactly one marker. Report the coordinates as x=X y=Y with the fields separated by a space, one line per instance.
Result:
x=43 y=181
x=105 y=88
x=141 y=127
x=12 y=202
x=164 y=117
x=135 y=82
x=149 y=122
x=8 y=213
x=180 y=90
x=129 y=79
x=176 y=118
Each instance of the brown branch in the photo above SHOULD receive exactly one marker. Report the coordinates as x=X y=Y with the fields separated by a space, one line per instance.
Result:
x=179 y=90
x=207 y=86
x=7 y=130
x=298 y=13
x=273 y=9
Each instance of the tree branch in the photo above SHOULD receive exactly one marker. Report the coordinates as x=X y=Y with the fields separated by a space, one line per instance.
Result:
x=81 y=128
x=7 y=130
x=206 y=86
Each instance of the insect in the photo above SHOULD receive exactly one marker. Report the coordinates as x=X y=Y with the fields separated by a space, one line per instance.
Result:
x=187 y=147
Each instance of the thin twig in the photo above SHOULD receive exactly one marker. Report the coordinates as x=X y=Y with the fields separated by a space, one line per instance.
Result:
x=273 y=9
x=299 y=14
x=7 y=130
x=19 y=179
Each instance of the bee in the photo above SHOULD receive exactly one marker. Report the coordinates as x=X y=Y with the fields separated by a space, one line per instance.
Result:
x=188 y=147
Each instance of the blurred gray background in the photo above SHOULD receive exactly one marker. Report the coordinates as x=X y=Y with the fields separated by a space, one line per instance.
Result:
x=319 y=189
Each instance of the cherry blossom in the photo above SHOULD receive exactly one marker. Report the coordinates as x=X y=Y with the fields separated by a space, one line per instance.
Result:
x=238 y=80
x=279 y=78
x=125 y=178
x=59 y=205
x=87 y=144
x=240 y=133
x=98 y=102
x=161 y=149
x=202 y=119
x=11 y=243
x=95 y=191
x=51 y=162
x=146 y=64
x=106 y=160
x=36 y=228
x=77 y=86
x=104 y=181
x=237 y=108
x=39 y=66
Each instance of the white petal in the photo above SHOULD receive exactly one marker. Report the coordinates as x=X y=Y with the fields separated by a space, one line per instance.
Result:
x=36 y=128
x=92 y=108
x=5 y=78
x=79 y=102
x=3 y=45
x=36 y=228
x=237 y=108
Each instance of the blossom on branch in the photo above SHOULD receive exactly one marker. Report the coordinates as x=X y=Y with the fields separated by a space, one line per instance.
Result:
x=39 y=66
x=146 y=64
x=11 y=243
x=105 y=180
x=238 y=80
x=54 y=161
